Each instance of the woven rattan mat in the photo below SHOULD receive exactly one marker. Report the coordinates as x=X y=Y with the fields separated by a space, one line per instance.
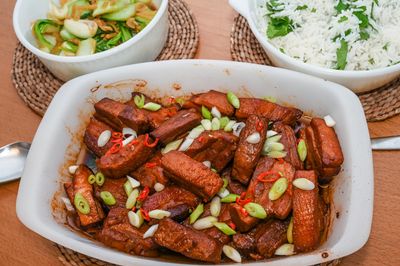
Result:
x=37 y=86
x=378 y=104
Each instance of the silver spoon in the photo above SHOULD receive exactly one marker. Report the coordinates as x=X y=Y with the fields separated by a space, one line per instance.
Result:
x=12 y=160
x=12 y=156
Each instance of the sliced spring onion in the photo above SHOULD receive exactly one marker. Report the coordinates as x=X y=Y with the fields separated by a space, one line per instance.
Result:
x=285 y=250
x=215 y=112
x=139 y=100
x=72 y=169
x=229 y=126
x=278 y=188
x=329 y=121
x=195 y=132
x=91 y=179
x=215 y=124
x=223 y=121
x=83 y=28
x=304 y=184
x=226 y=181
x=205 y=112
x=289 y=232
x=232 y=253
x=69 y=47
x=125 y=32
x=233 y=99
x=255 y=210
x=100 y=178
x=271 y=133
x=134 y=183
x=107 y=198
x=104 y=137
x=302 y=150
x=128 y=140
x=86 y=47
x=207 y=163
x=159 y=214
x=172 y=146
x=81 y=204
x=206 y=124
x=274 y=138
x=135 y=219
x=204 y=223
x=215 y=206
x=151 y=231
x=152 y=106
x=127 y=131
x=131 y=201
x=186 y=144
x=214 y=170
x=121 y=15
x=276 y=154
x=276 y=146
x=128 y=188
x=224 y=228
x=196 y=213
x=270 y=99
x=158 y=187
x=230 y=198
x=254 y=138
x=237 y=128
x=223 y=193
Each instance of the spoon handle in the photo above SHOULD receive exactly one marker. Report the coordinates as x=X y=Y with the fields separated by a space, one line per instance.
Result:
x=386 y=143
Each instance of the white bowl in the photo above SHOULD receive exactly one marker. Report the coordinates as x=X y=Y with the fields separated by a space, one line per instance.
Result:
x=357 y=81
x=143 y=47
x=54 y=144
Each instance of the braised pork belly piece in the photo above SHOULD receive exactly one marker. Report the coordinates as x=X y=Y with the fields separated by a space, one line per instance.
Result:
x=214 y=178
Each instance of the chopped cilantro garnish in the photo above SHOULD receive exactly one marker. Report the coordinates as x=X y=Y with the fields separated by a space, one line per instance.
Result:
x=313 y=10
x=364 y=22
x=279 y=26
x=282 y=50
x=341 y=55
x=341 y=6
x=371 y=61
x=364 y=35
x=385 y=47
x=302 y=7
x=343 y=18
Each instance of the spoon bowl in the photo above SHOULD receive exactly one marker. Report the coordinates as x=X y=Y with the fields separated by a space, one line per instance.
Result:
x=12 y=160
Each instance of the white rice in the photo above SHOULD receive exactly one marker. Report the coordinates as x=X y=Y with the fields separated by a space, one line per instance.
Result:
x=312 y=41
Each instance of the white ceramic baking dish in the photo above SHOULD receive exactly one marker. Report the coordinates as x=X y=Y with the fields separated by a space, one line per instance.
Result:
x=357 y=81
x=58 y=140
x=143 y=47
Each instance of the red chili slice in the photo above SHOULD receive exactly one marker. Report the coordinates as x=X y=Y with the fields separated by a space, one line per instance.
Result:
x=150 y=165
x=262 y=177
x=145 y=214
x=259 y=126
x=143 y=195
x=146 y=142
x=280 y=160
x=117 y=135
x=133 y=142
x=244 y=212
x=201 y=139
x=232 y=225
x=114 y=148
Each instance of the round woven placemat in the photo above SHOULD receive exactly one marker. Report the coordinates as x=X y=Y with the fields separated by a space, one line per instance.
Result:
x=37 y=86
x=378 y=104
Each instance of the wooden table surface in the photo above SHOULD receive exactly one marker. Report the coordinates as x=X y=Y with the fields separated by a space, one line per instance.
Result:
x=19 y=246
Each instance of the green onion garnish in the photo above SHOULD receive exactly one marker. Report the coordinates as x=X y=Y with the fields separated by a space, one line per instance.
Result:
x=81 y=204
x=100 y=179
x=302 y=150
x=128 y=188
x=223 y=121
x=205 y=112
x=230 y=198
x=278 y=188
x=91 y=179
x=131 y=201
x=255 y=210
x=233 y=99
x=152 y=106
x=107 y=198
x=196 y=213
x=139 y=101
x=224 y=228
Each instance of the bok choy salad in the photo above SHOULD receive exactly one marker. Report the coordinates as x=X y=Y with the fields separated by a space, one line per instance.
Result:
x=85 y=27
